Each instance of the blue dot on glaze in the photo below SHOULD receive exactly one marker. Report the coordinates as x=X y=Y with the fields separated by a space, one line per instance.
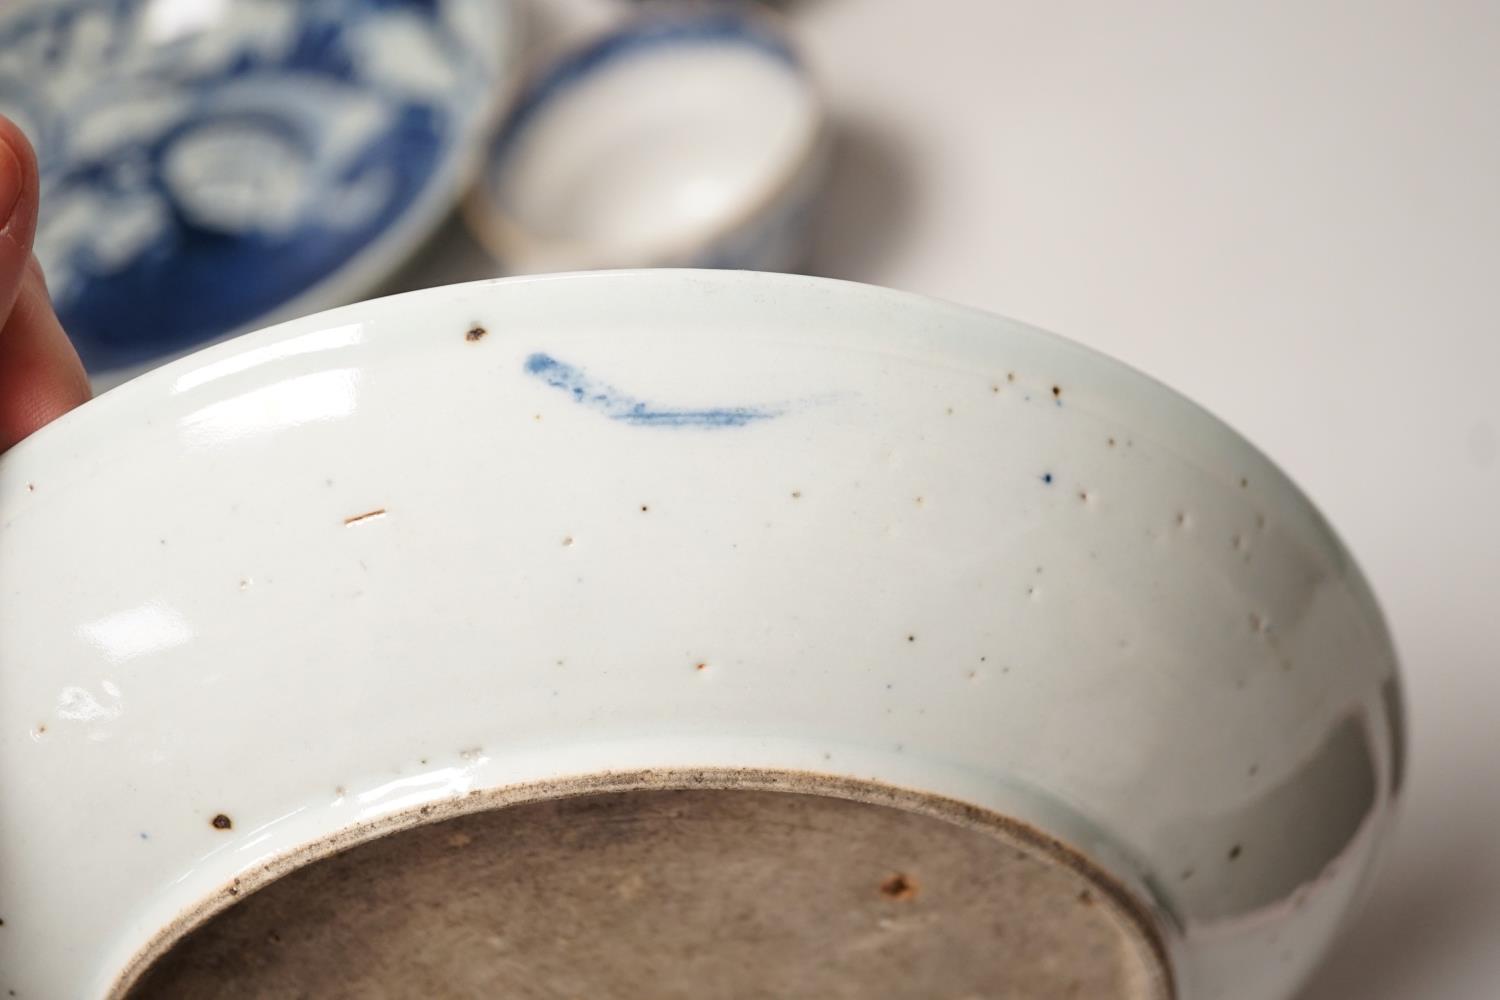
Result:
x=1047 y=478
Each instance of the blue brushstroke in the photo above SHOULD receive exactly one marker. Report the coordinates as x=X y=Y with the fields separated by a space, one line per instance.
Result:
x=620 y=406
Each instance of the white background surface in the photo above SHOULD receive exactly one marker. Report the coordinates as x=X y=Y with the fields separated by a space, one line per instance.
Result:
x=1288 y=211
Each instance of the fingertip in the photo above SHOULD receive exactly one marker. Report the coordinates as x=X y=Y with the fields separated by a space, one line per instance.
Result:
x=41 y=377
x=20 y=184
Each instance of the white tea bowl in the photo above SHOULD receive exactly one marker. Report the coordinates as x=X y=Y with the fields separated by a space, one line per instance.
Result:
x=689 y=136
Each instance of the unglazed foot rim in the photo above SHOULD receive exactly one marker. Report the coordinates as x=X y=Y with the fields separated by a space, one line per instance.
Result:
x=671 y=883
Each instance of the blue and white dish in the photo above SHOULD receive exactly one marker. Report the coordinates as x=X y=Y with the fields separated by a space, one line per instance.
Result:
x=1128 y=703
x=213 y=165
x=689 y=136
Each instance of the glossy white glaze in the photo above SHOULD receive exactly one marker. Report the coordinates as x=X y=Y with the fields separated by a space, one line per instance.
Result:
x=376 y=558
x=689 y=136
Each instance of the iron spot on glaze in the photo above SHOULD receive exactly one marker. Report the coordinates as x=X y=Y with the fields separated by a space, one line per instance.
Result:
x=476 y=333
x=617 y=405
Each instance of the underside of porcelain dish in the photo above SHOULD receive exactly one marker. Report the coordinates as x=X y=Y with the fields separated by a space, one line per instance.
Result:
x=687 y=631
x=688 y=885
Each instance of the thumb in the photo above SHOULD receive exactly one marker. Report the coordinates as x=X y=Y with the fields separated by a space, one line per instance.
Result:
x=41 y=377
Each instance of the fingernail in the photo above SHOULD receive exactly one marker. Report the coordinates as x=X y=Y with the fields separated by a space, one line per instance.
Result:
x=11 y=179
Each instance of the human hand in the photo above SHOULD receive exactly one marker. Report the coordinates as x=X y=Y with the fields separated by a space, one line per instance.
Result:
x=41 y=377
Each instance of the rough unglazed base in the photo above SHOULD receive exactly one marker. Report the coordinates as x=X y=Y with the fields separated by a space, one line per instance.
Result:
x=793 y=886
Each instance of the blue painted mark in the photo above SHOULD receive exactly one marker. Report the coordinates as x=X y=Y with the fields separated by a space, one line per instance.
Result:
x=617 y=405
x=1047 y=478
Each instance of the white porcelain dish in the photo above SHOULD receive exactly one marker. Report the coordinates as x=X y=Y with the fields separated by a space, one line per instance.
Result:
x=417 y=557
x=692 y=135
x=210 y=166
